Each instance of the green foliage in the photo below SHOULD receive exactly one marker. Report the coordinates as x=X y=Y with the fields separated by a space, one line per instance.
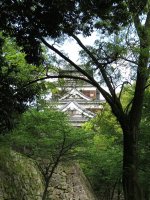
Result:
x=103 y=166
x=106 y=151
x=53 y=19
x=15 y=60
x=15 y=73
x=45 y=134
x=45 y=18
x=106 y=124
x=31 y=22
x=127 y=97
x=47 y=138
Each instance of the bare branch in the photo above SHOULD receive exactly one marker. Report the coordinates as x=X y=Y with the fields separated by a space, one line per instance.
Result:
x=68 y=60
x=128 y=60
x=99 y=65
x=54 y=76
x=128 y=106
x=147 y=86
x=105 y=94
x=125 y=82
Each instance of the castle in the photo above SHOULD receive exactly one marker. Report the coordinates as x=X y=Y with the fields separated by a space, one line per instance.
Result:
x=80 y=100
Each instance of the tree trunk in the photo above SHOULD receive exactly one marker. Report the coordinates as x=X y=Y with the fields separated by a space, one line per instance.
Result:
x=44 y=196
x=131 y=188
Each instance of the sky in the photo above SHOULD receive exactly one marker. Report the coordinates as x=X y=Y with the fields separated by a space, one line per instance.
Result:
x=72 y=48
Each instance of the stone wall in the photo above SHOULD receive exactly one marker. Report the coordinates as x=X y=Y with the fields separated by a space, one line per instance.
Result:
x=21 y=180
x=19 y=177
x=69 y=183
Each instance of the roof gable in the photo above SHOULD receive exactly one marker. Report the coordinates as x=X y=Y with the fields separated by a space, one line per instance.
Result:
x=75 y=106
x=75 y=94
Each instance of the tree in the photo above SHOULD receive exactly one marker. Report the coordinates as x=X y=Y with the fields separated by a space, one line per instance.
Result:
x=47 y=138
x=102 y=166
x=32 y=22
x=15 y=72
x=106 y=150
x=144 y=146
x=104 y=155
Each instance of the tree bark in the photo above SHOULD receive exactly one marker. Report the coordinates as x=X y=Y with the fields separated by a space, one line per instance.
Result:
x=131 y=187
x=45 y=190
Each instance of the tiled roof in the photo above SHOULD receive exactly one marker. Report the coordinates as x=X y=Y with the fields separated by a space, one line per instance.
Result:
x=74 y=92
x=75 y=106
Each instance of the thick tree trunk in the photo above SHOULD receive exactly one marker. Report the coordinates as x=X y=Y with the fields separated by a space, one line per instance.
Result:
x=131 y=188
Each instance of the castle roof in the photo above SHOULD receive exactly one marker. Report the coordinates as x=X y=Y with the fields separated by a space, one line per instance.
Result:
x=74 y=94
x=73 y=105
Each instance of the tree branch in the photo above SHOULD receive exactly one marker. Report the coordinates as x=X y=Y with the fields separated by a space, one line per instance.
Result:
x=67 y=59
x=99 y=65
x=147 y=86
x=128 y=106
x=142 y=70
x=138 y=25
x=147 y=23
x=128 y=60
x=54 y=76
x=105 y=94
x=125 y=82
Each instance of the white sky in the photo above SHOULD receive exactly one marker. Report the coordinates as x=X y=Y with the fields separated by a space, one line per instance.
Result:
x=72 y=48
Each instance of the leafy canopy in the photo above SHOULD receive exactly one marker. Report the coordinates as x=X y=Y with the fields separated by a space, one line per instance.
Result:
x=15 y=73
x=44 y=134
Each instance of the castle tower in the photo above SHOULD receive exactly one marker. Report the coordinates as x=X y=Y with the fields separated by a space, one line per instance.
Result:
x=80 y=100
